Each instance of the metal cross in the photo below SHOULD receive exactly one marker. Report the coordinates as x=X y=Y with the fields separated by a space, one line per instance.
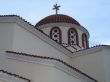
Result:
x=56 y=8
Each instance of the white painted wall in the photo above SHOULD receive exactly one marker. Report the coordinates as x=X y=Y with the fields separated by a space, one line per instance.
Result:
x=8 y=78
x=2 y=81
x=6 y=36
x=38 y=72
x=106 y=57
x=24 y=41
x=15 y=37
x=96 y=64
x=2 y=61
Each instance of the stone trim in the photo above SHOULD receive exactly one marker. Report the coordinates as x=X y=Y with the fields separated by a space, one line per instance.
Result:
x=80 y=73
x=14 y=75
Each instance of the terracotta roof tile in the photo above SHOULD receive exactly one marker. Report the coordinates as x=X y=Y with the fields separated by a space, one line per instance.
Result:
x=57 y=18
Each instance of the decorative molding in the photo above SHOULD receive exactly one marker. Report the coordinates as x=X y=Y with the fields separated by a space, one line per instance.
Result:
x=51 y=62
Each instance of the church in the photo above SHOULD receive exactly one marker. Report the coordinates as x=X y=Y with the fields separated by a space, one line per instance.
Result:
x=56 y=49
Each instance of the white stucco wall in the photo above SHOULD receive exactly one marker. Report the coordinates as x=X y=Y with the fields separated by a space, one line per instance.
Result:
x=2 y=56
x=6 y=36
x=96 y=64
x=15 y=37
x=38 y=72
x=106 y=58
x=91 y=64
x=7 y=78
x=25 y=41
x=2 y=80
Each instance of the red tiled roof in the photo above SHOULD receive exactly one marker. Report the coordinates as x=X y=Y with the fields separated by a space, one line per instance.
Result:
x=57 y=18
x=55 y=59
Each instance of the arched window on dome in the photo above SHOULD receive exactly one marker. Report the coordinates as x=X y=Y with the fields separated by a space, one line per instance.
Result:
x=72 y=37
x=55 y=34
x=84 y=41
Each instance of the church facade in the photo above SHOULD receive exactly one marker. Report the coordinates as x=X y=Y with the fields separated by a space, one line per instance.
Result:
x=55 y=49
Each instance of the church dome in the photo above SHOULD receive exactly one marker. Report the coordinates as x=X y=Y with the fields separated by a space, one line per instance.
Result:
x=57 y=18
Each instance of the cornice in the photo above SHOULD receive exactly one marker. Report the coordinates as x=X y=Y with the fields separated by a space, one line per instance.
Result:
x=57 y=63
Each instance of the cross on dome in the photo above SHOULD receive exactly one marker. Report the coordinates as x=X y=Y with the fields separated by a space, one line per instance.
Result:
x=56 y=8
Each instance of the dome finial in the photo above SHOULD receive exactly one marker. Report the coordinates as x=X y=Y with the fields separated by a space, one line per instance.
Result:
x=56 y=8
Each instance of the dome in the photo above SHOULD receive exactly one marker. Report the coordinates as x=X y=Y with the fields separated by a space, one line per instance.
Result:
x=57 y=18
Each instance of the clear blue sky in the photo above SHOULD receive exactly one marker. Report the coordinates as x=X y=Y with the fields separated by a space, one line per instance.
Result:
x=94 y=15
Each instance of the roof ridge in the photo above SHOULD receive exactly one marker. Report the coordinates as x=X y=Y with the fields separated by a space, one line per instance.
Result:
x=15 y=75
x=13 y=15
x=91 y=47
x=52 y=58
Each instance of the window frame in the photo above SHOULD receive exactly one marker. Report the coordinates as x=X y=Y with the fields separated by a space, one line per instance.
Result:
x=60 y=33
x=76 y=33
x=84 y=40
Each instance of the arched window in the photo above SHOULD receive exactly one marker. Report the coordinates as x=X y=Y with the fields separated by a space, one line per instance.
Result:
x=55 y=34
x=84 y=40
x=72 y=37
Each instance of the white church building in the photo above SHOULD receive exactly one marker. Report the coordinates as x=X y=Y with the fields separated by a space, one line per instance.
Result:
x=56 y=49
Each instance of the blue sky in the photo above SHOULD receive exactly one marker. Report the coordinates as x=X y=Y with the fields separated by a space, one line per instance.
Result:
x=94 y=15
